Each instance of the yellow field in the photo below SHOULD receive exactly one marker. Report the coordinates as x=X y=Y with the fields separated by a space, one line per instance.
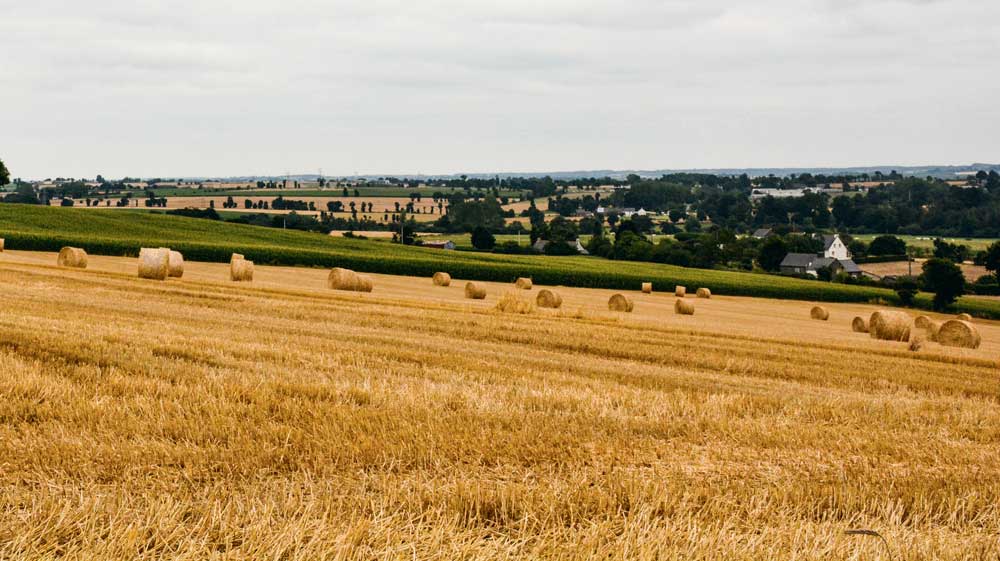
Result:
x=380 y=205
x=198 y=419
x=902 y=268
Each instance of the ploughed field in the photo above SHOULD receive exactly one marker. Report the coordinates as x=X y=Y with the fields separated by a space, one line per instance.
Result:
x=199 y=418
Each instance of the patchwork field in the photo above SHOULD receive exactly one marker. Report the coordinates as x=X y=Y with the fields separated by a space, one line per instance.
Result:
x=277 y=419
x=902 y=268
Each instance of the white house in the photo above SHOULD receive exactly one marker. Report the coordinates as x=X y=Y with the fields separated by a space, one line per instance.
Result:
x=834 y=248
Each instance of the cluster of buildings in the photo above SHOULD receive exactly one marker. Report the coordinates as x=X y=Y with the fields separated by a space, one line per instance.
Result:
x=835 y=256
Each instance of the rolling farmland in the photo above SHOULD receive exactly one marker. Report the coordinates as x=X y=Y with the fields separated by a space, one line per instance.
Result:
x=123 y=233
x=198 y=418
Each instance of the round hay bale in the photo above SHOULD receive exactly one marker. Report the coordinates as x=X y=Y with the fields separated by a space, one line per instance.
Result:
x=958 y=333
x=441 y=279
x=922 y=321
x=680 y=291
x=176 y=265
x=366 y=283
x=513 y=302
x=889 y=326
x=703 y=293
x=475 y=291
x=1 y=245
x=959 y=317
x=154 y=263
x=647 y=288
x=346 y=279
x=240 y=269
x=548 y=299
x=523 y=283
x=72 y=257
x=916 y=342
x=236 y=256
x=859 y=325
x=620 y=303
x=820 y=313
x=932 y=329
x=683 y=307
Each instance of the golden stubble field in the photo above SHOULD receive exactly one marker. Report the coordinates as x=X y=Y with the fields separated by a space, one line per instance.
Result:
x=198 y=419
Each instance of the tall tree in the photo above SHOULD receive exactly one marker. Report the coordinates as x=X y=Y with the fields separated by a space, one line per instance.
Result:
x=4 y=174
x=993 y=259
x=945 y=279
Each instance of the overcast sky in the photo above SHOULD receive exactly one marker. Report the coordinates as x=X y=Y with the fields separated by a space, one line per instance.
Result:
x=204 y=87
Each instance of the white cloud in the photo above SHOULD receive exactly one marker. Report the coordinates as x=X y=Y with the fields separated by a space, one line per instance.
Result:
x=390 y=86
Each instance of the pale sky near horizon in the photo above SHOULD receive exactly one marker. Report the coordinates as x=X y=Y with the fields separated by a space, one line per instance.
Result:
x=211 y=88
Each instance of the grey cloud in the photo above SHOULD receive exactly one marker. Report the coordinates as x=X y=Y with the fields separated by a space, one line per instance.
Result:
x=451 y=85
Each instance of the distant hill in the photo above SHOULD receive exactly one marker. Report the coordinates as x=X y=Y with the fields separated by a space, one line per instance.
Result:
x=939 y=171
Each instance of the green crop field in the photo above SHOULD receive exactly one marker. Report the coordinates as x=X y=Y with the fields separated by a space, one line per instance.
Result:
x=927 y=242
x=109 y=232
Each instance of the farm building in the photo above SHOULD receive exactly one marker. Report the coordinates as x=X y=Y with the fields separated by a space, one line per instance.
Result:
x=540 y=244
x=835 y=255
x=446 y=244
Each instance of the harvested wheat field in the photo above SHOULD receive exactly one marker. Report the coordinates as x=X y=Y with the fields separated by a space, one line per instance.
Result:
x=197 y=418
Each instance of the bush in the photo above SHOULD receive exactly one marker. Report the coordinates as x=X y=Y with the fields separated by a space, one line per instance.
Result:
x=512 y=248
x=906 y=289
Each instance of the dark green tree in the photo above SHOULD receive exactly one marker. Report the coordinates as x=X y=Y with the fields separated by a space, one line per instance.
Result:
x=887 y=245
x=772 y=252
x=992 y=261
x=482 y=239
x=4 y=174
x=945 y=279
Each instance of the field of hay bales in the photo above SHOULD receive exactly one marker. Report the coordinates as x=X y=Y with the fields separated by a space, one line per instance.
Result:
x=199 y=418
x=107 y=232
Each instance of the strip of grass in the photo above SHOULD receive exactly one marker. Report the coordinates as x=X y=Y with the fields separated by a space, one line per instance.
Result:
x=109 y=232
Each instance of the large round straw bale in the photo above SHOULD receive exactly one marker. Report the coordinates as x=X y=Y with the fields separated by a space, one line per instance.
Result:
x=922 y=321
x=475 y=291
x=523 y=283
x=932 y=329
x=1 y=245
x=958 y=333
x=703 y=293
x=513 y=302
x=820 y=313
x=176 y=265
x=548 y=299
x=647 y=288
x=346 y=279
x=889 y=326
x=441 y=279
x=620 y=303
x=240 y=269
x=859 y=325
x=963 y=317
x=680 y=291
x=154 y=263
x=683 y=307
x=72 y=257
